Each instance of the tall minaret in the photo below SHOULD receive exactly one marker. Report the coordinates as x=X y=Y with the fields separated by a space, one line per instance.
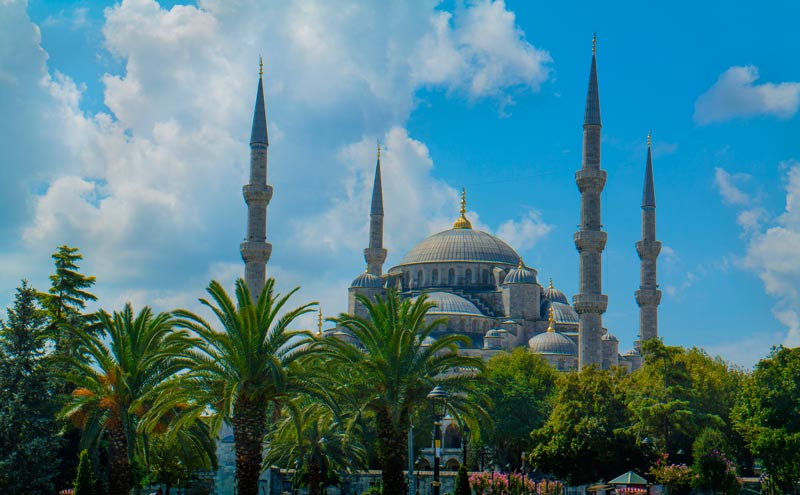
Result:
x=648 y=296
x=255 y=249
x=590 y=240
x=375 y=254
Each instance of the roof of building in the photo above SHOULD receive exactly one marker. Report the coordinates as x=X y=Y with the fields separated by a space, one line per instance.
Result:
x=629 y=478
x=554 y=295
x=520 y=275
x=447 y=303
x=649 y=194
x=461 y=244
x=258 y=133
x=564 y=313
x=368 y=281
x=609 y=336
x=552 y=343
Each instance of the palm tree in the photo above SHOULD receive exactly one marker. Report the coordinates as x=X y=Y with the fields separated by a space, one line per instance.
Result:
x=114 y=370
x=312 y=437
x=237 y=373
x=392 y=368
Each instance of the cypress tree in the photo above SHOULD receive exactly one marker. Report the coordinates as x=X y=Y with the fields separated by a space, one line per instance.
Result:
x=462 y=482
x=84 y=484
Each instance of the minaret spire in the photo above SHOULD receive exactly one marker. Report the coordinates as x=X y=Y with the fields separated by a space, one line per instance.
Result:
x=590 y=303
x=257 y=194
x=375 y=254
x=648 y=296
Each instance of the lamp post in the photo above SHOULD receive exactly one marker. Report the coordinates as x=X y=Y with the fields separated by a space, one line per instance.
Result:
x=465 y=432
x=439 y=398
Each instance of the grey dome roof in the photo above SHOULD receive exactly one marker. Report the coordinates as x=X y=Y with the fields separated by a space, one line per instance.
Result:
x=367 y=280
x=461 y=245
x=609 y=336
x=632 y=352
x=552 y=343
x=564 y=313
x=447 y=303
x=520 y=275
x=493 y=333
x=554 y=295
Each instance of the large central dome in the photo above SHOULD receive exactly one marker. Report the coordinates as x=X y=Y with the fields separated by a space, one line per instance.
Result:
x=461 y=244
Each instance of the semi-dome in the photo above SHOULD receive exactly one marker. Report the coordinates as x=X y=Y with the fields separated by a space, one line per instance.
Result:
x=554 y=295
x=552 y=343
x=447 y=303
x=564 y=313
x=520 y=275
x=368 y=281
x=461 y=244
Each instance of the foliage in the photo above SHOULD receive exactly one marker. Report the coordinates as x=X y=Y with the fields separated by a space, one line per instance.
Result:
x=28 y=433
x=677 y=478
x=237 y=372
x=169 y=457
x=716 y=473
x=115 y=372
x=590 y=420
x=768 y=416
x=84 y=483
x=389 y=373
x=491 y=483
x=462 y=486
x=520 y=386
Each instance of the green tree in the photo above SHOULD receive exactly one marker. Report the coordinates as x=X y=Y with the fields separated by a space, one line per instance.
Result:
x=462 y=482
x=310 y=435
x=768 y=417
x=84 y=484
x=169 y=456
x=390 y=373
x=238 y=372
x=590 y=420
x=28 y=433
x=114 y=372
x=520 y=386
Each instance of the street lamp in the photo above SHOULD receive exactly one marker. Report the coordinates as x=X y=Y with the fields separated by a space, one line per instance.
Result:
x=439 y=397
x=465 y=432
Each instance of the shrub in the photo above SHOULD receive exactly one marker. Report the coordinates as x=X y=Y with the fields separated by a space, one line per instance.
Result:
x=84 y=484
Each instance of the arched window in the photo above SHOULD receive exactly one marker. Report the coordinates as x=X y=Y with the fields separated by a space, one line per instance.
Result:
x=468 y=277
x=475 y=326
x=451 y=277
x=407 y=280
x=418 y=283
x=435 y=277
x=486 y=277
x=452 y=437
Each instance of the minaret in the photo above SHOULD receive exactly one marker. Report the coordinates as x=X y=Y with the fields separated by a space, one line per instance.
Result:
x=255 y=249
x=375 y=254
x=590 y=303
x=648 y=296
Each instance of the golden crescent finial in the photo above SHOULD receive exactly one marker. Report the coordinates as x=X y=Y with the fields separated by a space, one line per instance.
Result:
x=551 y=284
x=551 y=320
x=649 y=138
x=260 y=66
x=594 y=43
x=463 y=200
x=319 y=321
x=521 y=263
x=379 y=151
x=462 y=222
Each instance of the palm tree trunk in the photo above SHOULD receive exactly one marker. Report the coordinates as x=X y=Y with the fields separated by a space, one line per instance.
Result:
x=120 y=477
x=314 y=478
x=391 y=455
x=249 y=425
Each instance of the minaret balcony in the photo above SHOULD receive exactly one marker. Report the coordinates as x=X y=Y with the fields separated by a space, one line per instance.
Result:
x=590 y=303
x=648 y=249
x=377 y=255
x=648 y=297
x=590 y=240
x=258 y=251
x=591 y=179
x=257 y=194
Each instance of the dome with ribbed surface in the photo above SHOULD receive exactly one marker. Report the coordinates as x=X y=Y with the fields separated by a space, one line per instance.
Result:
x=554 y=295
x=520 y=275
x=447 y=303
x=368 y=281
x=461 y=245
x=552 y=343
x=564 y=313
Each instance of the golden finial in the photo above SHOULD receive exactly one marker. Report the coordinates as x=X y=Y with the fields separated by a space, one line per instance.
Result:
x=649 y=138
x=551 y=327
x=319 y=321
x=379 y=151
x=551 y=284
x=260 y=66
x=594 y=43
x=521 y=263
x=462 y=222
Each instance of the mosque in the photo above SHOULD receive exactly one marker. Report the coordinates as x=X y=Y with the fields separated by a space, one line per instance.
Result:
x=477 y=281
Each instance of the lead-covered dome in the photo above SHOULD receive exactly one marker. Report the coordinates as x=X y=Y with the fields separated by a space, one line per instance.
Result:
x=553 y=343
x=367 y=280
x=564 y=313
x=461 y=244
x=447 y=303
x=554 y=295
x=521 y=275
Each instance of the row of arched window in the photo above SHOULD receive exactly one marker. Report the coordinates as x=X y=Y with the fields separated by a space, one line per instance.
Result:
x=450 y=278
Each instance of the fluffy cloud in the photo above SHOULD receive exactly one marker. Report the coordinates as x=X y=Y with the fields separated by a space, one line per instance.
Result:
x=728 y=187
x=772 y=252
x=735 y=95
x=524 y=233
x=151 y=189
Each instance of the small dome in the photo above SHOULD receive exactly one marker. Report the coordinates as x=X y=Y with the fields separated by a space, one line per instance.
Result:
x=447 y=303
x=609 y=336
x=553 y=343
x=520 y=275
x=492 y=339
x=368 y=281
x=493 y=333
x=632 y=352
x=554 y=295
x=428 y=341
x=564 y=313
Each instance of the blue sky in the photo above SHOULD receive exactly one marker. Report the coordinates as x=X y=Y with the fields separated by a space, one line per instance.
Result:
x=125 y=129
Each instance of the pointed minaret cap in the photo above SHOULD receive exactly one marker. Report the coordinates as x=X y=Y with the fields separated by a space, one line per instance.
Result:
x=462 y=222
x=592 y=114
x=377 y=188
x=649 y=195
x=319 y=321
x=258 y=135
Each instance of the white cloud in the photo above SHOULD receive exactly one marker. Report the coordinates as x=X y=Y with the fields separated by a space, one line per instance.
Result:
x=151 y=191
x=745 y=351
x=735 y=95
x=729 y=186
x=524 y=233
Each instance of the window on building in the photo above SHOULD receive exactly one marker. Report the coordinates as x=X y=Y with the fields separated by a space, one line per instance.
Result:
x=435 y=277
x=419 y=279
x=468 y=277
x=451 y=277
